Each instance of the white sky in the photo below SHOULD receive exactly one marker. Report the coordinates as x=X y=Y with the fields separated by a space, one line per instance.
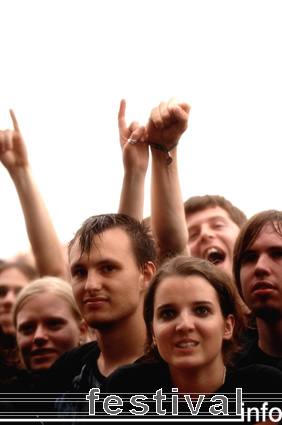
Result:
x=65 y=65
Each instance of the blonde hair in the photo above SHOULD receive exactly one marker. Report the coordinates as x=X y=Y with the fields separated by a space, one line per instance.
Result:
x=47 y=284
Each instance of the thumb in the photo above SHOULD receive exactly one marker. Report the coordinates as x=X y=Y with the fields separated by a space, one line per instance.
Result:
x=181 y=113
x=185 y=108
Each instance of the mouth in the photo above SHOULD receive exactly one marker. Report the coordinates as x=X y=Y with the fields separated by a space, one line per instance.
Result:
x=189 y=344
x=262 y=286
x=42 y=352
x=214 y=255
x=94 y=301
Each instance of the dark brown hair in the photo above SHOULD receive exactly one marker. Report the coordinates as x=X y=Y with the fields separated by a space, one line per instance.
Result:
x=222 y=283
x=142 y=243
x=200 y=203
x=249 y=233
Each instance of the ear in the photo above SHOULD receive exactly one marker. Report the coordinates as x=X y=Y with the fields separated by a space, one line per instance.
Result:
x=148 y=271
x=83 y=332
x=229 y=326
x=153 y=335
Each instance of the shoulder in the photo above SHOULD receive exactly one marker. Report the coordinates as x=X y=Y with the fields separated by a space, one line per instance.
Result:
x=138 y=377
x=69 y=365
x=80 y=354
x=256 y=378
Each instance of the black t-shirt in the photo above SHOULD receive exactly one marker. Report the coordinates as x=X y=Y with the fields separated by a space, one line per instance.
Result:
x=252 y=354
x=62 y=372
x=259 y=383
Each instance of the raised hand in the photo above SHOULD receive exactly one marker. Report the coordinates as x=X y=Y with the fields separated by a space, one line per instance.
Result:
x=137 y=155
x=167 y=123
x=13 y=152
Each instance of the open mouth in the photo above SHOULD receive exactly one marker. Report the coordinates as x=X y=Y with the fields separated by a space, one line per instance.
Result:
x=186 y=344
x=215 y=255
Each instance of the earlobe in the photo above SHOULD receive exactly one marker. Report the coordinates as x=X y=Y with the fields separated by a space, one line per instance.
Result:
x=229 y=326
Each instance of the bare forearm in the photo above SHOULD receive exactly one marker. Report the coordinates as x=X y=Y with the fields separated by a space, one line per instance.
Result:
x=167 y=209
x=47 y=249
x=132 y=194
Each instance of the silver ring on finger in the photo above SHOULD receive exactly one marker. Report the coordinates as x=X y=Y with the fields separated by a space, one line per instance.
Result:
x=132 y=141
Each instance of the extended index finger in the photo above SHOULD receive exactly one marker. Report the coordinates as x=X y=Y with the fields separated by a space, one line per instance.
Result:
x=14 y=119
x=121 y=114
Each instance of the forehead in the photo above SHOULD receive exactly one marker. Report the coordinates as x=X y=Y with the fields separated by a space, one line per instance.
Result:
x=183 y=289
x=13 y=277
x=113 y=243
x=45 y=304
x=267 y=237
x=207 y=215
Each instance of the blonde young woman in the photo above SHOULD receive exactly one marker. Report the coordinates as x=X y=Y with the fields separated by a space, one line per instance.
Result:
x=48 y=322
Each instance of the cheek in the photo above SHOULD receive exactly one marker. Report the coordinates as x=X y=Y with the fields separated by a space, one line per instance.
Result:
x=25 y=345
x=66 y=339
x=162 y=334
x=195 y=249
x=244 y=278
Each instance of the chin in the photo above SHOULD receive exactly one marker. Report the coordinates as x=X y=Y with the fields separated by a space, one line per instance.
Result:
x=41 y=367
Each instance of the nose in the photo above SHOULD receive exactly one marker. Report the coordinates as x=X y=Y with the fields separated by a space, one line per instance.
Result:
x=93 y=282
x=185 y=323
x=40 y=335
x=206 y=232
x=262 y=266
x=10 y=298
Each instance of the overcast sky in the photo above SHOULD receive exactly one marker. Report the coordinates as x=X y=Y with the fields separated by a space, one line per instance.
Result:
x=65 y=65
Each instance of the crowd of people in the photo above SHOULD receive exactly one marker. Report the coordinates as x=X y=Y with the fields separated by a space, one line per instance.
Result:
x=183 y=305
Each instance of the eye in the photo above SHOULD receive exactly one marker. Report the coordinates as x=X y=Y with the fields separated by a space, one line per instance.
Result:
x=249 y=258
x=202 y=310
x=218 y=226
x=79 y=272
x=167 y=314
x=55 y=323
x=3 y=291
x=108 y=268
x=276 y=254
x=26 y=328
x=193 y=235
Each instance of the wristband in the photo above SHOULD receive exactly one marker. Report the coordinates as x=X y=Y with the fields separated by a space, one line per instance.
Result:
x=163 y=149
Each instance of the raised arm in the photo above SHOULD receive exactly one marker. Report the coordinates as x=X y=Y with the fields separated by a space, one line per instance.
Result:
x=46 y=247
x=135 y=158
x=166 y=124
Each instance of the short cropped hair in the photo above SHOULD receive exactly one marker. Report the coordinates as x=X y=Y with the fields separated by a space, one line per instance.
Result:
x=142 y=242
x=47 y=284
x=249 y=233
x=222 y=283
x=200 y=203
x=26 y=269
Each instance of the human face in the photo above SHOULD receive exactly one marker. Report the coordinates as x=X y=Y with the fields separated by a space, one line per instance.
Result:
x=12 y=280
x=46 y=328
x=261 y=274
x=188 y=324
x=108 y=285
x=212 y=235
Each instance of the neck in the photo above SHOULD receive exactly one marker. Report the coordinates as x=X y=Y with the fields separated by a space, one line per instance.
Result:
x=121 y=344
x=204 y=381
x=270 y=336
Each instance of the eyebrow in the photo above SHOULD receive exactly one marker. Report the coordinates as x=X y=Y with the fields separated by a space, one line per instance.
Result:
x=215 y=217
x=105 y=261
x=195 y=303
x=270 y=248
